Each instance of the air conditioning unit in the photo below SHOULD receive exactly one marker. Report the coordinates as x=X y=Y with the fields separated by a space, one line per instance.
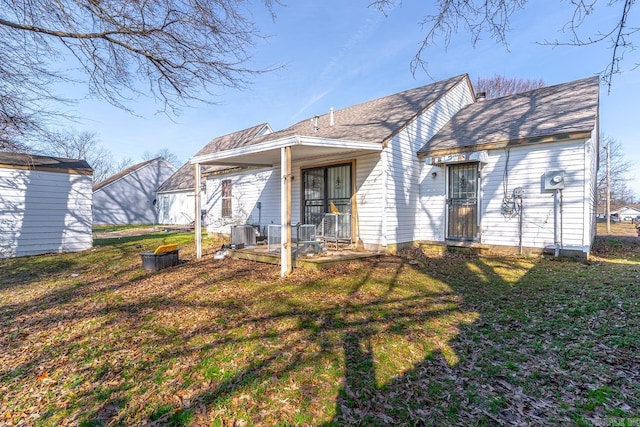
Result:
x=245 y=234
x=554 y=180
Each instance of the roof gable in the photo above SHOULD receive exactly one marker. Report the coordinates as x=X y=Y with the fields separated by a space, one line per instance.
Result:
x=131 y=169
x=183 y=178
x=372 y=121
x=562 y=109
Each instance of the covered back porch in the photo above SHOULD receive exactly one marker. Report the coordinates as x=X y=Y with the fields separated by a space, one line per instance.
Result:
x=328 y=214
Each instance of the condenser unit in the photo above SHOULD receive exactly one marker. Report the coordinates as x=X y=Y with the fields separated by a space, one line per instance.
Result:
x=245 y=234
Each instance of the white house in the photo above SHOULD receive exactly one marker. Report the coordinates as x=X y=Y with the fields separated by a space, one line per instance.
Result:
x=175 y=197
x=627 y=213
x=45 y=205
x=129 y=196
x=429 y=164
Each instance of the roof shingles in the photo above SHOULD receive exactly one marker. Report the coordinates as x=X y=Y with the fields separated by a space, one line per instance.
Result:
x=372 y=121
x=43 y=162
x=376 y=120
x=183 y=178
x=555 y=110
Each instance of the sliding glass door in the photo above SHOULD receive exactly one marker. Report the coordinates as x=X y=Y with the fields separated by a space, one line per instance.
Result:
x=326 y=189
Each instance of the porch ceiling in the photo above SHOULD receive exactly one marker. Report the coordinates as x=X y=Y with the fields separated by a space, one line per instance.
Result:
x=268 y=153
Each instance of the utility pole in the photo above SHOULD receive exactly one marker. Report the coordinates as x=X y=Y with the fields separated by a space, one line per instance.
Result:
x=608 y=202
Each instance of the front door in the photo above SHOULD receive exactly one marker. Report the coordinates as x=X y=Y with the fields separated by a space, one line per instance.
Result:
x=323 y=187
x=462 y=201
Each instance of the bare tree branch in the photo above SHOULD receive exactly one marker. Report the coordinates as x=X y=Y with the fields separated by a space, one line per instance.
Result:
x=492 y=18
x=165 y=153
x=179 y=50
x=82 y=145
x=619 y=35
x=620 y=166
x=499 y=86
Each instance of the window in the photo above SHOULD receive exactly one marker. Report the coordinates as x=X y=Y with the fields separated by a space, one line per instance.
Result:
x=226 y=199
x=323 y=187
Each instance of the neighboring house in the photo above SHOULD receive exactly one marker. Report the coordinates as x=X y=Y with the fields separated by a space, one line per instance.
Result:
x=129 y=196
x=627 y=213
x=430 y=164
x=176 y=204
x=45 y=205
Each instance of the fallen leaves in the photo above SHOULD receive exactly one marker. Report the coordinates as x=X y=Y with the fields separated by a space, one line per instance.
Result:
x=407 y=339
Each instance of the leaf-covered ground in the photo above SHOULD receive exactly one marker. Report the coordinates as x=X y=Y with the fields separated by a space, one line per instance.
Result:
x=416 y=339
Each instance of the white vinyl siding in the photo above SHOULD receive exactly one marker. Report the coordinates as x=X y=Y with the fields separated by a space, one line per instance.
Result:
x=369 y=197
x=177 y=208
x=387 y=184
x=433 y=203
x=249 y=188
x=44 y=212
x=526 y=169
x=590 y=188
x=129 y=200
x=403 y=199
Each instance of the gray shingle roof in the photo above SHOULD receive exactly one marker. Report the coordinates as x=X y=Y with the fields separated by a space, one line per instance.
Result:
x=372 y=121
x=183 y=178
x=43 y=162
x=555 y=110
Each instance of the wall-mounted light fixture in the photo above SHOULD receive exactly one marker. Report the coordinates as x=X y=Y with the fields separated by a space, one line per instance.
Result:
x=434 y=175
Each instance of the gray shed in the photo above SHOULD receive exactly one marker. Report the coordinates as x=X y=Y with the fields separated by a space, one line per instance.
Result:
x=128 y=197
x=45 y=205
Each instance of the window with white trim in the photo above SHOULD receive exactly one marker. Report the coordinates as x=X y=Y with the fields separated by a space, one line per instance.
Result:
x=227 y=208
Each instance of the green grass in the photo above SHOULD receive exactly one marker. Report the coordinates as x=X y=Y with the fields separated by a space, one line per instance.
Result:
x=111 y=228
x=92 y=339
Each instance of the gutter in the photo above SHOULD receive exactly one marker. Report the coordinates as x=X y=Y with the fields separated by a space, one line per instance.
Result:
x=507 y=143
x=290 y=141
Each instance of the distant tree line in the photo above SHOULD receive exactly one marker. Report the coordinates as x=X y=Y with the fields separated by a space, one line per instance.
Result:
x=620 y=191
x=86 y=145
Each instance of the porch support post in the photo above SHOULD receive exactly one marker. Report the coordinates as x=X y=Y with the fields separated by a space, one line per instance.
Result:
x=286 y=261
x=198 y=221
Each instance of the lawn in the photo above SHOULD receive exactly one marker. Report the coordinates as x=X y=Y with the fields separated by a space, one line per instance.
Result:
x=91 y=339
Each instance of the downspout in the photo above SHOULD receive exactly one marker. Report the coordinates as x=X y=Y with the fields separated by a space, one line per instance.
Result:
x=556 y=222
x=383 y=222
x=520 y=221
x=561 y=220
x=198 y=219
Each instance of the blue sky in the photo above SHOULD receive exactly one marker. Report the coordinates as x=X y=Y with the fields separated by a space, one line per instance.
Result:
x=338 y=53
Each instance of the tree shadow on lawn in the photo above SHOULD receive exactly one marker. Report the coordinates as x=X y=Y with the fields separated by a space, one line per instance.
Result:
x=16 y=271
x=524 y=360
x=437 y=388
x=450 y=340
x=80 y=319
